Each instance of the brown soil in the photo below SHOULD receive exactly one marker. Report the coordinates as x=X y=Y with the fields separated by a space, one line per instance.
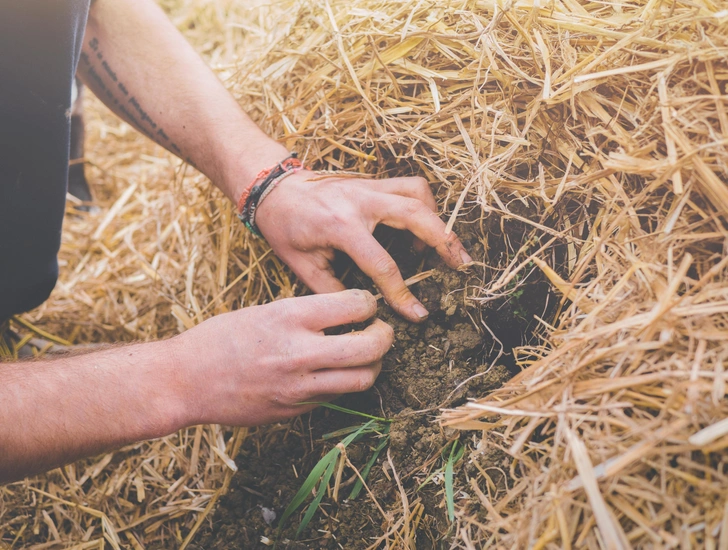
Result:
x=428 y=362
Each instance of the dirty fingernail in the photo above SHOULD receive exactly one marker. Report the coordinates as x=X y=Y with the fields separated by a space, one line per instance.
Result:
x=420 y=311
x=465 y=257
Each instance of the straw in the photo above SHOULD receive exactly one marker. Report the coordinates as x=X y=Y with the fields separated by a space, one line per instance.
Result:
x=605 y=122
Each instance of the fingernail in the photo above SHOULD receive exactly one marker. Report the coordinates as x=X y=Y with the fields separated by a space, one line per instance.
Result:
x=420 y=311
x=465 y=257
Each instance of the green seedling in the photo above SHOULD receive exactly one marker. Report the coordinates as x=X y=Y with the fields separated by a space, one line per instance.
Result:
x=365 y=472
x=334 y=407
x=323 y=471
x=456 y=451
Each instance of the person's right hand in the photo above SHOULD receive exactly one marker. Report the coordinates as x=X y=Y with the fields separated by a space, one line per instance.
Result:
x=255 y=365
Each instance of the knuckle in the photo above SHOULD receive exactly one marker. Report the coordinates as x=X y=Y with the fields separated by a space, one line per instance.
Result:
x=348 y=194
x=452 y=238
x=382 y=333
x=413 y=207
x=381 y=339
x=293 y=362
x=286 y=395
x=423 y=184
x=372 y=353
x=401 y=295
x=368 y=300
x=295 y=394
x=340 y=219
x=287 y=311
x=385 y=266
x=356 y=302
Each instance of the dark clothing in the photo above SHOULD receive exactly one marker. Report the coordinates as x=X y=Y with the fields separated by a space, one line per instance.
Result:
x=40 y=43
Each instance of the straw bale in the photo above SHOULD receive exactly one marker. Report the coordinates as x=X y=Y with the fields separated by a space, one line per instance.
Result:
x=607 y=119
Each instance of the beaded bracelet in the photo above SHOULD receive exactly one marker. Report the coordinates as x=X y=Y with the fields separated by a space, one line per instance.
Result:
x=253 y=195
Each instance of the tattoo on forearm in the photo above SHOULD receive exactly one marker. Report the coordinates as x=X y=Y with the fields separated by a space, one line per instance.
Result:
x=118 y=94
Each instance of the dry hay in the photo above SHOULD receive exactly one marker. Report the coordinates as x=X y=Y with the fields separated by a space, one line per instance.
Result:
x=608 y=119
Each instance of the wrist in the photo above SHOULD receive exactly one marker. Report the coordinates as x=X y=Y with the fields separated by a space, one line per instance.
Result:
x=243 y=163
x=173 y=400
x=277 y=207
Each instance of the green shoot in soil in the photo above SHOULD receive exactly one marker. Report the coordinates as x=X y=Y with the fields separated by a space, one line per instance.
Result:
x=321 y=475
x=365 y=472
x=334 y=407
x=456 y=453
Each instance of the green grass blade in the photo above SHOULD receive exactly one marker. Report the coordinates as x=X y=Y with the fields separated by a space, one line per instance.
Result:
x=317 y=500
x=449 y=492
x=374 y=427
x=358 y=486
x=309 y=484
x=443 y=453
x=344 y=410
x=364 y=428
x=455 y=455
x=340 y=433
x=322 y=468
x=429 y=478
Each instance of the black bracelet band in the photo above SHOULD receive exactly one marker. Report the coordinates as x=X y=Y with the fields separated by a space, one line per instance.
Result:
x=247 y=215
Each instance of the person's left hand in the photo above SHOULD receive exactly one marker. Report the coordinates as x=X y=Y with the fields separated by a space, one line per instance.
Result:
x=309 y=216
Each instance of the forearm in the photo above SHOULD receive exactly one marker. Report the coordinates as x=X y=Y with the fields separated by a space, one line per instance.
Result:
x=145 y=71
x=53 y=412
x=246 y=368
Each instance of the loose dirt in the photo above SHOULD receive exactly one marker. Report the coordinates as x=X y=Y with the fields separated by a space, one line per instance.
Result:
x=463 y=350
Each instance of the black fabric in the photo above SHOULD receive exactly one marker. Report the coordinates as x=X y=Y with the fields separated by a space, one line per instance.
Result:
x=40 y=43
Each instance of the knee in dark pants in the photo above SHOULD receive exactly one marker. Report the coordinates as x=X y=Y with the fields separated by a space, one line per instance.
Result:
x=39 y=284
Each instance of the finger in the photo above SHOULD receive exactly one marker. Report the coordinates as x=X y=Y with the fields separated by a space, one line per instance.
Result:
x=355 y=349
x=323 y=311
x=414 y=188
x=373 y=260
x=416 y=217
x=349 y=380
x=319 y=278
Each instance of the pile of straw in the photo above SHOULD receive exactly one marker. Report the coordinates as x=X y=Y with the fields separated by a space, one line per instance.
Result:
x=610 y=120
x=607 y=119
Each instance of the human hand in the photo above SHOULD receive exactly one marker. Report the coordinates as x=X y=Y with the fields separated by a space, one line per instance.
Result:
x=308 y=217
x=254 y=366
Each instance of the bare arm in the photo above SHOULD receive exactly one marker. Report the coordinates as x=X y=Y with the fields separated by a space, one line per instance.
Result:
x=245 y=368
x=53 y=412
x=137 y=63
x=142 y=68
